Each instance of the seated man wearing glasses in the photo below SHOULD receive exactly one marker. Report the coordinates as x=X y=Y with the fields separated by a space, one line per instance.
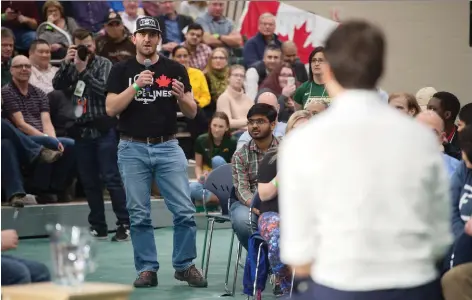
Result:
x=28 y=109
x=261 y=121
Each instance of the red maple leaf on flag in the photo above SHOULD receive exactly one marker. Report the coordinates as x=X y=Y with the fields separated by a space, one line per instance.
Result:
x=299 y=38
x=163 y=81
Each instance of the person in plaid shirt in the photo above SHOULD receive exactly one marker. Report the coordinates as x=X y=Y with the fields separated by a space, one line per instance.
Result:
x=199 y=52
x=261 y=121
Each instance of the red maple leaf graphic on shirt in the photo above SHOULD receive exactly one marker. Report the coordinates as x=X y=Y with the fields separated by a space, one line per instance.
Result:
x=163 y=81
x=299 y=38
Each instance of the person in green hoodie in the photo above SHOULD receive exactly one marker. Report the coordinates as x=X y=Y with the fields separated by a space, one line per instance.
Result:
x=313 y=89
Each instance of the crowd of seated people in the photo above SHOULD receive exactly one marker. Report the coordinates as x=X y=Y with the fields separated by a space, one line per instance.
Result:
x=56 y=131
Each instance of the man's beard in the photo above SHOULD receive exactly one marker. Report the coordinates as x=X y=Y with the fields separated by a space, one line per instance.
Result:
x=147 y=55
x=261 y=136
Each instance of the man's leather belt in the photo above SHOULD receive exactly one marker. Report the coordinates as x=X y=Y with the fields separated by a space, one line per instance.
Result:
x=148 y=140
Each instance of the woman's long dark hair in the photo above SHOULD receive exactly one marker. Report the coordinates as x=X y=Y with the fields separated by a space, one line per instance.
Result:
x=177 y=48
x=312 y=54
x=217 y=115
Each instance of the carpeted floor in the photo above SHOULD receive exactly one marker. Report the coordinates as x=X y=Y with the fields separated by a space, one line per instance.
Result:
x=115 y=264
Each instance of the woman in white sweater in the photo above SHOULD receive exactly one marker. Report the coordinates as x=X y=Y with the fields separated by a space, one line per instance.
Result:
x=234 y=102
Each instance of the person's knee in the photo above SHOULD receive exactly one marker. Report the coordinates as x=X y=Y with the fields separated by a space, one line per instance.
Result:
x=14 y=272
x=217 y=161
x=39 y=272
x=140 y=215
x=460 y=276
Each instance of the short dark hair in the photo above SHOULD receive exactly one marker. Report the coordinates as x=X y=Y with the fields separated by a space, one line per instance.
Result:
x=7 y=33
x=81 y=34
x=195 y=26
x=312 y=54
x=272 y=47
x=449 y=102
x=263 y=109
x=355 y=52
x=177 y=48
x=37 y=42
x=465 y=115
x=465 y=141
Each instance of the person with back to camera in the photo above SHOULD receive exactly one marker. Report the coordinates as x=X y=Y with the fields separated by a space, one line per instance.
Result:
x=145 y=91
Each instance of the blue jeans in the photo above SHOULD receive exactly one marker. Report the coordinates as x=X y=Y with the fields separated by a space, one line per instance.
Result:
x=24 y=38
x=165 y=163
x=12 y=179
x=54 y=177
x=96 y=160
x=21 y=271
x=25 y=147
x=196 y=188
x=239 y=215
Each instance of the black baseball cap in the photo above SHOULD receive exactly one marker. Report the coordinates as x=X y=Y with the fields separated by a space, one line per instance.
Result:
x=147 y=23
x=113 y=17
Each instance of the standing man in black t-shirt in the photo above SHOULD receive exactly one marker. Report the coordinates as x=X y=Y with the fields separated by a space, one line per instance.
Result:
x=146 y=99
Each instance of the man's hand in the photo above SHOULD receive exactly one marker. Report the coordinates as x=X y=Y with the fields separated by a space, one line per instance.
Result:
x=71 y=54
x=468 y=227
x=169 y=46
x=10 y=14
x=177 y=89
x=9 y=239
x=80 y=65
x=145 y=78
x=22 y=19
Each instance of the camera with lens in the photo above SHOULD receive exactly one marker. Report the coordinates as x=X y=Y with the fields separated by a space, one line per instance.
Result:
x=82 y=52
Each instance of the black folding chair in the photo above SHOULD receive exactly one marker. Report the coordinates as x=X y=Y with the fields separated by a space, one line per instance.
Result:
x=220 y=183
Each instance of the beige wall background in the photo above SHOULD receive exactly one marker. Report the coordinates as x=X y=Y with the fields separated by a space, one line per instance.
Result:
x=428 y=41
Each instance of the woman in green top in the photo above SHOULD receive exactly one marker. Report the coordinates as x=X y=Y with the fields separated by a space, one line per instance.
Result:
x=212 y=150
x=313 y=89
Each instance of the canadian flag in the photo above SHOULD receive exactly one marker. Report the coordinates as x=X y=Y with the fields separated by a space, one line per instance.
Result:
x=306 y=29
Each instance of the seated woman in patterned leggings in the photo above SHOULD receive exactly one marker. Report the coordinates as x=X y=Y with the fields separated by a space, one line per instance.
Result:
x=269 y=219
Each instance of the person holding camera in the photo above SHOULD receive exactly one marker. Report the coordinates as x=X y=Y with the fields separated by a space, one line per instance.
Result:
x=85 y=74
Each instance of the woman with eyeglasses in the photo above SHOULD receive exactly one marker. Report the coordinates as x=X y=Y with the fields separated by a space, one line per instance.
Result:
x=197 y=78
x=281 y=81
x=53 y=12
x=216 y=73
x=234 y=102
x=269 y=220
x=314 y=88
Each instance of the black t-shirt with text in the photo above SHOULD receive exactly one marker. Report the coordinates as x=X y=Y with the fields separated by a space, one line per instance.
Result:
x=152 y=112
x=267 y=172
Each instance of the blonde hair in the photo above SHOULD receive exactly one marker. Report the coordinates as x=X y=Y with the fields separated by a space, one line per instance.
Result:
x=294 y=118
x=208 y=67
x=410 y=101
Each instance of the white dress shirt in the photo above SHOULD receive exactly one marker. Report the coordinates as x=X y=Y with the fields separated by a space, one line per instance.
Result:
x=364 y=195
x=251 y=83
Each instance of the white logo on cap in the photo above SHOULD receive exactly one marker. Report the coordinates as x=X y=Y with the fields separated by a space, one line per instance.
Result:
x=147 y=22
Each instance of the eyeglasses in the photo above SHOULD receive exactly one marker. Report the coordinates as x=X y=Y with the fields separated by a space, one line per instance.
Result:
x=239 y=75
x=317 y=60
x=25 y=66
x=256 y=122
x=218 y=58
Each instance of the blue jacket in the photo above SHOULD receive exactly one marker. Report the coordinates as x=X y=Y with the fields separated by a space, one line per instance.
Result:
x=461 y=195
x=253 y=50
